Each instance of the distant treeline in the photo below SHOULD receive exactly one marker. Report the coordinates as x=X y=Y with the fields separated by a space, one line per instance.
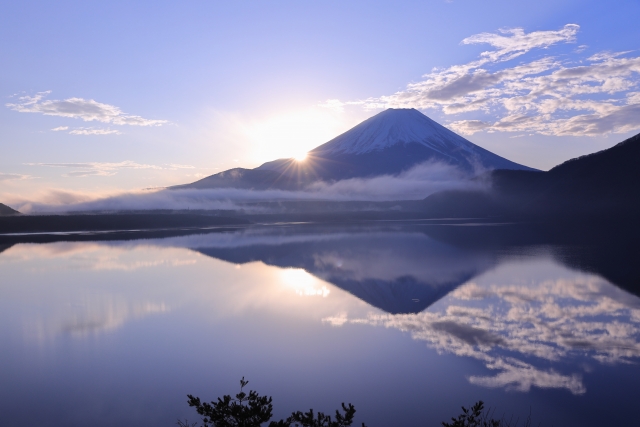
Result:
x=111 y=222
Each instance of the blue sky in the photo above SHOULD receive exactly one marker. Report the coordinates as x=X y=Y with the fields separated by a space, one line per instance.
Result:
x=101 y=97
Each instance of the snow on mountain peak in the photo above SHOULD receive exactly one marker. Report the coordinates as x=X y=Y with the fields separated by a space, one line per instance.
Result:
x=396 y=126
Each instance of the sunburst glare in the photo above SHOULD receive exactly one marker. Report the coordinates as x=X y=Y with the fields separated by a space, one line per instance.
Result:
x=292 y=134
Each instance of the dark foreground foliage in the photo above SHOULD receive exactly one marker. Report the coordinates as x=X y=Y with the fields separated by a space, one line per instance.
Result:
x=478 y=416
x=253 y=410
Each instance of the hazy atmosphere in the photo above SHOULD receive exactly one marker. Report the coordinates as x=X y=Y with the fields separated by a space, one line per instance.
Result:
x=320 y=214
x=112 y=97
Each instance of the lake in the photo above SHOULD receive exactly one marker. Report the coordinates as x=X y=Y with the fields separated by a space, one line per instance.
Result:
x=406 y=320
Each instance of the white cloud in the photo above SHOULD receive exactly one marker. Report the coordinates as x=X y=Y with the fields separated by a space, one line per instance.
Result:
x=547 y=95
x=12 y=176
x=333 y=104
x=79 y=108
x=96 y=168
x=60 y=128
x=174 y=166
x=107 y=168
x=93 y=131
x=511 y=43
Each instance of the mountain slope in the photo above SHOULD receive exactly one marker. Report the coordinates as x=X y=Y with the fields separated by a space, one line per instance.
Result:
x=606 y=183
x=386 y=144
x=6 y=210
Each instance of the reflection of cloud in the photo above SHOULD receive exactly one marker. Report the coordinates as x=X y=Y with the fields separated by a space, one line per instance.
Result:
x=554 y=320
x=104 y=315
x=89 y=301
x=90 y=256
x=551 y=96
x=88 y=314
x=515 y=375
x=78 y=108
x=82 y=299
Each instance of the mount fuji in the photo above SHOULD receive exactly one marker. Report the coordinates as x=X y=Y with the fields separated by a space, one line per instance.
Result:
x=388 y=143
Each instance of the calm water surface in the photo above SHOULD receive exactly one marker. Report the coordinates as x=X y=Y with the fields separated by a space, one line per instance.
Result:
x=405 y=326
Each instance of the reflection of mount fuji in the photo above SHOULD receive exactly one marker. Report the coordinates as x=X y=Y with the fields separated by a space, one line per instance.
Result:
x=398 y=272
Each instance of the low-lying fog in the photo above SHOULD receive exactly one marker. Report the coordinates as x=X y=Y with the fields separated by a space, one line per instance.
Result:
x=413 y=184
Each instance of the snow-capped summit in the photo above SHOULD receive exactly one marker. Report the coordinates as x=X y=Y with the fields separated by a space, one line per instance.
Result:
x=388 y=143
x=396 y=126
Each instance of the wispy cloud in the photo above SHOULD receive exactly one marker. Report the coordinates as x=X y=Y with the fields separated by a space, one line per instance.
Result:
x=548 y=95
x=93 y=131
x=79 y=108
x=13 y=176
x=174 y=166
x=96 y=168
x=87 y=131
x=106 y=168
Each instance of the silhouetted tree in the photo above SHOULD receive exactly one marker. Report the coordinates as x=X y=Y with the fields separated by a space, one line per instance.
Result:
x=252 y=410
x=474 y=416
x=321 y=420
x=477 y=416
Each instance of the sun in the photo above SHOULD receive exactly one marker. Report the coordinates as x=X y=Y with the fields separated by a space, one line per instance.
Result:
x=291 y=134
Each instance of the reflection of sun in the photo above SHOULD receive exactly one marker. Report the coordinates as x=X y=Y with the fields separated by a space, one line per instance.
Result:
x=303 y=283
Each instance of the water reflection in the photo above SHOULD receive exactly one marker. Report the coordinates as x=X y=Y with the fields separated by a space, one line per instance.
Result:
x=356 y=308
x=84 y=289
x=511 y=328
x=395 y=270
x=540 y=321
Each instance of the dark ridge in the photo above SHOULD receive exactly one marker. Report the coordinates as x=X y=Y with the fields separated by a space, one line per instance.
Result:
x=7 y=211
x=605 y=184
